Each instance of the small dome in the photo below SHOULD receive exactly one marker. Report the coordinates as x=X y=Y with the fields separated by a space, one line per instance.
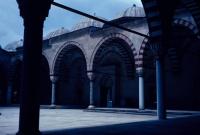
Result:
x=87 y=22
x=56 y=33
x=133 y=11
x=12 y=46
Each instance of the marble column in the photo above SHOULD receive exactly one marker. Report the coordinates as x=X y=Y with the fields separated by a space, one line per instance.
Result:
x=54 y=80
x=157 y=50
x=141 y=89
x=161 y=107
x=33 y=13
x=91 y=78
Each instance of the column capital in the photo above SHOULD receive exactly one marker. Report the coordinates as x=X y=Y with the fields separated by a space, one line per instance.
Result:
x=140 y=72
x=157 y=49
x=90 y=75
x=53 y=78
x=34 y=9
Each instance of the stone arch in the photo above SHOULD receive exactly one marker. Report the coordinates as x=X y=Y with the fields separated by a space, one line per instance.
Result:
x=176 y=21
x=187 y=24
x=109 y=38
x=140 y=56
x=114 y=56
x=71 y=69
x=153 y=15
x=186 y=27
x=174 y=62
x=194 y=8
x=182 y=64
x=62 y=50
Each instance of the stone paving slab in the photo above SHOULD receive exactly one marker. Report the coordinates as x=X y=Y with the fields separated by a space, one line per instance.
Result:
x=56 y=119
x=175 y=126
x=170 y=113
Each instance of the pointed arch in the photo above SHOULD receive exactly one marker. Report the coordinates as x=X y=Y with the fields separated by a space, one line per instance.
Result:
x=66 y=47
x=113 y=37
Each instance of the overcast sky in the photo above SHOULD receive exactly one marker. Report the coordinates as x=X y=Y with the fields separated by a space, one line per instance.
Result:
x=11 y=25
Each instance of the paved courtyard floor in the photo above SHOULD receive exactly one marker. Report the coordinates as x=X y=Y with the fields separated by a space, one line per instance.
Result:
x=53 y=120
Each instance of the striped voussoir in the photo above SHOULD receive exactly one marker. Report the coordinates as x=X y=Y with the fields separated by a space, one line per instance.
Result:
x=153 y=18
x=155 y=31
x=155 y=25
x=187 y=24
x=139 y=59
x=65 y=51
x=194 y=8
x=105 y=45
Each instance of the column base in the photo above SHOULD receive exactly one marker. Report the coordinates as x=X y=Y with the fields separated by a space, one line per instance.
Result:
x=91 y=107
x=161 y=116
x=28 y=133
x=141 y=109
x=52 y=106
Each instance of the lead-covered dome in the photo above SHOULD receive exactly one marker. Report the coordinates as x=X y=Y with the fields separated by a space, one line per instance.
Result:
x=133 y=11
x=87 y=22
x=57 y=32
x=12 y=46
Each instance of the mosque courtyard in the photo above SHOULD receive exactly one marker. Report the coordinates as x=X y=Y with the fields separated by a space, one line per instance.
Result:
x=77 y=121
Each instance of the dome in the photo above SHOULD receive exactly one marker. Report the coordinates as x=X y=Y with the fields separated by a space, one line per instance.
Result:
x=12 y=46
x=56 y=33
x=133 y=11
x=87 y=22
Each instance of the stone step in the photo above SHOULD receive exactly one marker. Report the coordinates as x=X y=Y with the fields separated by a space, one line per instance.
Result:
x=142 y=112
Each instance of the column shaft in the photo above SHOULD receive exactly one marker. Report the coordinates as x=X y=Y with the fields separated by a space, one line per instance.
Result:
x=33 y=13
x=91 y=93
x=161 y=110
x=53 y=96
x=53 y=90
x=91 y=78
x=29 y=104
x=141 y=93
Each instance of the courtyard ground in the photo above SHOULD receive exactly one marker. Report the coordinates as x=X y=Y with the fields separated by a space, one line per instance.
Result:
x=81 y=122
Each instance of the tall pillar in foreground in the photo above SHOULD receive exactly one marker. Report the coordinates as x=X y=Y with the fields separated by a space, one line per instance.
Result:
x=54 y=80
x=34 y=13
x=91 y=78
x=141 y=89
x=161 y=107
x=160 y=89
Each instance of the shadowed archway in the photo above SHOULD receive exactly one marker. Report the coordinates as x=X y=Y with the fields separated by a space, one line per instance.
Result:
x=182 y=69
x=114 y=59
x=73 y=85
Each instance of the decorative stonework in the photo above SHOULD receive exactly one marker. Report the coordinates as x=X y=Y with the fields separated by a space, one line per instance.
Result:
x=187 y=24
x=53 y=78
x=108 y=38
x=62 y=50
x=90 y=75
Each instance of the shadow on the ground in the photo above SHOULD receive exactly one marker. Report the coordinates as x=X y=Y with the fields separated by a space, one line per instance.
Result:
x=178 y=126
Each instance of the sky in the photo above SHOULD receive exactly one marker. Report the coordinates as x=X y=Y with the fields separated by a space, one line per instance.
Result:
x=11 y=24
